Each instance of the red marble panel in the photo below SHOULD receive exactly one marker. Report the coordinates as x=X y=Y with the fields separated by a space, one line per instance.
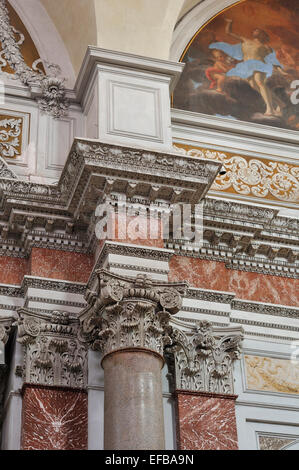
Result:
x=206 y=422
x=54 y=419
x=137 y=230
x=12 y=270
x=64 y=265
x=246 y=285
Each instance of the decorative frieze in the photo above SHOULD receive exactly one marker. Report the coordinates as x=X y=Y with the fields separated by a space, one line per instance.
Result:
x=204 y=361
x=265 y=309
x=63 y=215
x=128 y=312
x=10 y=136
x=53 y=355
x=246 y=176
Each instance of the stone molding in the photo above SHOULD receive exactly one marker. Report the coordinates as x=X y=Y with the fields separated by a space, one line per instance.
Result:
x=202 y=360
x=125 y=313
x=42 y=283
x=53 y=355
x=59 y=214
x=62 y=216
x=252 y=177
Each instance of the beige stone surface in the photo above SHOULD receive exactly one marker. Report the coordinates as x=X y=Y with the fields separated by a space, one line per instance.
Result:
x=142 y=27
x=273 y=375
x=75 y=21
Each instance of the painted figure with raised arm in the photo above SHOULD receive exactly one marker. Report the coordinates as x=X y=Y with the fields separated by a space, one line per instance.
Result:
x=257 y=62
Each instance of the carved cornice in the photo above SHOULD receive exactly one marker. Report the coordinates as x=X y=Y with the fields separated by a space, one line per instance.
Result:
x=203 y=359
x=41 y=283
x=62 y=216
x=53 y=355
x=128 y=312
x=265 y=309
x=210 y=296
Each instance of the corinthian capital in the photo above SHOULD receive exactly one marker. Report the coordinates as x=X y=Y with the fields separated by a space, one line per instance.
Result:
x=5 y=328
x=125 y=313
x=53 y=354
x=204 y=358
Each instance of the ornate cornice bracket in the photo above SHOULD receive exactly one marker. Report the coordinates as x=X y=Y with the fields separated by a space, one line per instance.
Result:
x=203 y=359
x=128 y=312
x=53 y=355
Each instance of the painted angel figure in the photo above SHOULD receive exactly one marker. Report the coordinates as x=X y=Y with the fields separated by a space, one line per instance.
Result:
x=257 y=64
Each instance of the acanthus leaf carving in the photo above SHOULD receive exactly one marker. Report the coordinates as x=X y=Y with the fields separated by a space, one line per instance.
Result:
x=53 y=354
x=204 y=361
x=129 y=313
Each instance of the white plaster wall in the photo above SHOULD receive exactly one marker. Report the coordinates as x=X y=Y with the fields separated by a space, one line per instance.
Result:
x=260 y=411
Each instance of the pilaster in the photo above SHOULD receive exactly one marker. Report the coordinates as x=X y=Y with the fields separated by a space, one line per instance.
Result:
x=202 y=362
x=54 y=373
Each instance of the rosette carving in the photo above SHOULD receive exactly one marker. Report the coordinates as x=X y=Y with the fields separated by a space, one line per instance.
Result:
x=129 y=313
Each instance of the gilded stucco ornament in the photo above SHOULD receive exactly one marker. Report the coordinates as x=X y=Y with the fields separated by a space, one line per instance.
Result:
x=257 y=177
x=128 y=312
x=53 y=99
x=52 y=353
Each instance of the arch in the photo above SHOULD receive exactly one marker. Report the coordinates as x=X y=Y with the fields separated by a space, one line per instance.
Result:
x=197 y=17
x=45 y=36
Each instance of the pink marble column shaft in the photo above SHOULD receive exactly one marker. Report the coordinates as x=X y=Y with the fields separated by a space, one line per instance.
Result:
x=133 y=401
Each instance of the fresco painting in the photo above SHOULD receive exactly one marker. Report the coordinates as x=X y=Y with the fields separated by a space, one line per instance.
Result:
x=243 y=64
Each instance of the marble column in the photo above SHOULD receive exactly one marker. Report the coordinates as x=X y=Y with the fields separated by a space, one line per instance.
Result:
x=133 y=400
x=202 y=360
x=128 y=321
x=54 y=372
